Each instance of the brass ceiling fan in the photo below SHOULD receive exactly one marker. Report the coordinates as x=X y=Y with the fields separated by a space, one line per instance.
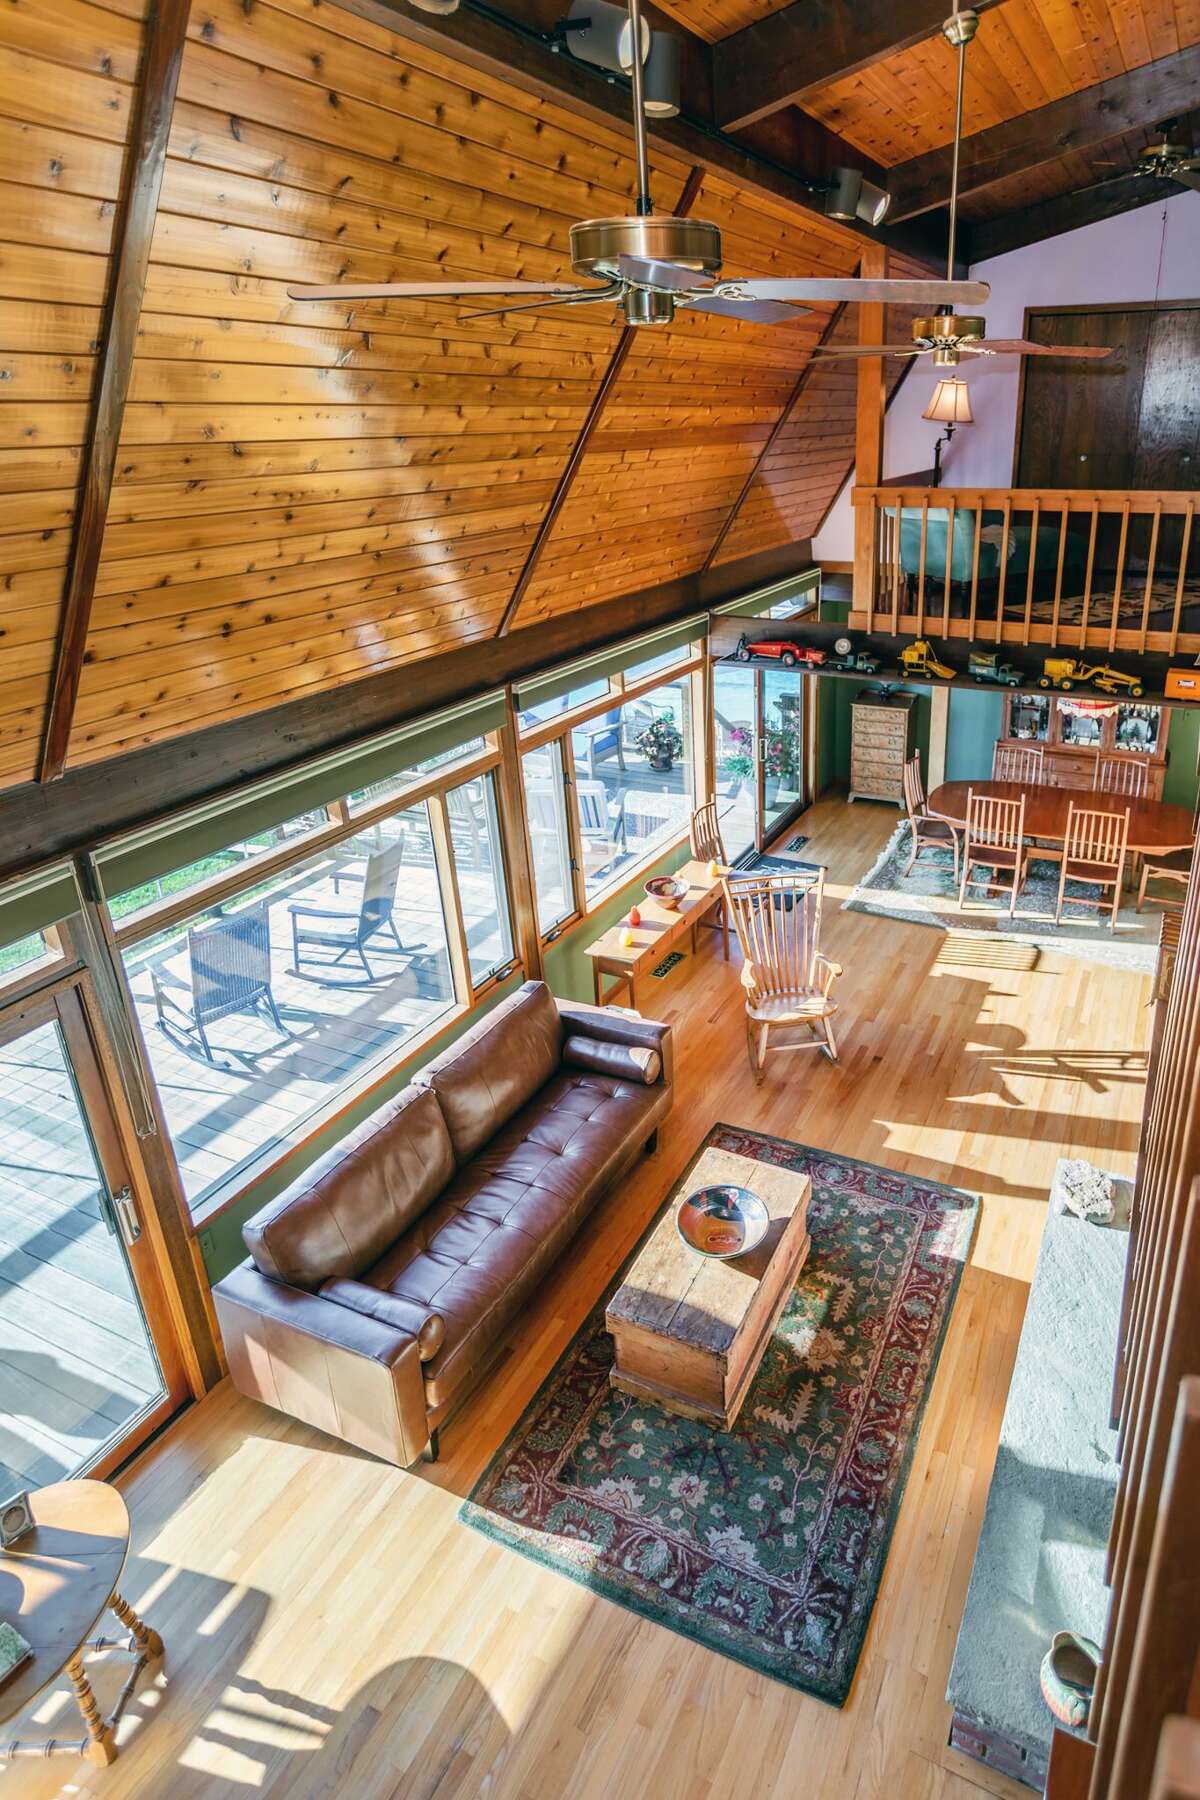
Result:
x=946 y=335
x=1170 y=159
x=650 y=264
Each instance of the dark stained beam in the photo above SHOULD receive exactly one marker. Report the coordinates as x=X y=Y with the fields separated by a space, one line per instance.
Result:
x=39 y=823
x=566 y=481
x=1097 y=114
x=760 y=460
x=166 y=28
x=1066 y=212
x=781 y=59
x=511 y=42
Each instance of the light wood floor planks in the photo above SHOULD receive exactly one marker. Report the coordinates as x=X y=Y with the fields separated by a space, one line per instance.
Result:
x=333 y=1630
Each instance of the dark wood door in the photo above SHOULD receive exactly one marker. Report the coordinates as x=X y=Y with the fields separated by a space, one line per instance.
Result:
x=1132 y=421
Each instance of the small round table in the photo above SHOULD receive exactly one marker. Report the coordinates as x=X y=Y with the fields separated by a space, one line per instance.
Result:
x=55 y=1584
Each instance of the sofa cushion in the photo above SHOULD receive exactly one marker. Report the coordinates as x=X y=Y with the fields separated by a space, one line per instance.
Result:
x=492 y=1070
x=486 y=1243
x=632 y=1062
x=340 y=1215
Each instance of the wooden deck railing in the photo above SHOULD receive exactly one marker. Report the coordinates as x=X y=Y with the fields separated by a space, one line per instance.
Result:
x=1104 y=569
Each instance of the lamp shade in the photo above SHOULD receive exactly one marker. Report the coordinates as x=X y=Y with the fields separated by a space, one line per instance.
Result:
x=951 y=404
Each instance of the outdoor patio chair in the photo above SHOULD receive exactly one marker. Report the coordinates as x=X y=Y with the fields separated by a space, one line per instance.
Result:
x=601 y=821
x=229 y=971
x=601 y=739
x=350 y=932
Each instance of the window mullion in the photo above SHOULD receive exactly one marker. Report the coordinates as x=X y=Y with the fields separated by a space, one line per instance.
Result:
x=574 y=826
x=447 y=874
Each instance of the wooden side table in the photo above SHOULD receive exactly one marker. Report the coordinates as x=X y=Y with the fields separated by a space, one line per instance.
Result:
x=54 y=1587
x=661 y=927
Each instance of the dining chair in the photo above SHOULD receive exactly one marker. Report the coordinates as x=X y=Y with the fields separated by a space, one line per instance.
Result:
x=1168 y=865
x=229 y=971
x=785 y=976
x=995 y=840
x=1094 y=852
x=1129 y=775
x=1013 y=763
x=928 y=832
x=704 y=834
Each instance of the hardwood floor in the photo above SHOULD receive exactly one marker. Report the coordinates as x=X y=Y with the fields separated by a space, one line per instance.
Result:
x=332 y=1629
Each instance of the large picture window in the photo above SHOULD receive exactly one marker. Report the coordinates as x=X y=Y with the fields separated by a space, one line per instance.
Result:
x=546 y=811
x=633 y=781
x=479 y=865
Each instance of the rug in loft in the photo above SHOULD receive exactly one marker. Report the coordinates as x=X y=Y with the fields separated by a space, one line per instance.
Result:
x=766 y=1543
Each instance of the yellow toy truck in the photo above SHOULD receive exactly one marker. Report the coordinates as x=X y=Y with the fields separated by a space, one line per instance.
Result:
x=919 y=658
x=1066 y=672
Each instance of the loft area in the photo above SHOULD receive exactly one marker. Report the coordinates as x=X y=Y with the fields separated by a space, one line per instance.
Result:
x=599 y=771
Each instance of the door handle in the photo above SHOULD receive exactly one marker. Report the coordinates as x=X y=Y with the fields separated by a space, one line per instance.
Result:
x=126 y=1214
x=106 y=1211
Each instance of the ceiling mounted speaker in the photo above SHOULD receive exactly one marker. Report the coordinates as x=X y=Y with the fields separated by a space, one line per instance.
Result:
x=660 y=78
x=602 y=34
x=852 y=197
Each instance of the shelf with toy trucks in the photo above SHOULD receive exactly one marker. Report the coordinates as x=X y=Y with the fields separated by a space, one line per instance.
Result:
x=834 y=650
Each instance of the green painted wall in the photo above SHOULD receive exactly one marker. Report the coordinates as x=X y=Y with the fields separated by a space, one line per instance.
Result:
x=1182 y=741
x=221 y=1242
x=976 y=717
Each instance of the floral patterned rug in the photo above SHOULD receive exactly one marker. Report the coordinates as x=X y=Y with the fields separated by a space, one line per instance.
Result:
x=766 y=1543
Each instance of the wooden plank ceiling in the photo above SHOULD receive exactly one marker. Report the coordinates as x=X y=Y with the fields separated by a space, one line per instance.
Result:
x=307 y=494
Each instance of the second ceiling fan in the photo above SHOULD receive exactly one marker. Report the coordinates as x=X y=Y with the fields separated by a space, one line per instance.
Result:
x=650 y=264
x=948 y=336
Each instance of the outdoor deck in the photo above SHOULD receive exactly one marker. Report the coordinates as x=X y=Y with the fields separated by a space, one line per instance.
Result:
x=75 y=1365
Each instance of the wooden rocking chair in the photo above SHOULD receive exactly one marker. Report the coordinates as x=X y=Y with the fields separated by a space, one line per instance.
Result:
x=786 y=978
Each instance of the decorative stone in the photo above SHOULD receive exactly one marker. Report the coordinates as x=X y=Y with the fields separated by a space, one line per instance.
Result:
x=1085 y=1190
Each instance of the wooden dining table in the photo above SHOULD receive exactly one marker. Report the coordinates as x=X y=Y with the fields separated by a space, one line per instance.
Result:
x=1154 y=825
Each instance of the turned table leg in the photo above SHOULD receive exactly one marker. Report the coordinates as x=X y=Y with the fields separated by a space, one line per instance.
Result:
x=147 y=1640
x=101 y=1744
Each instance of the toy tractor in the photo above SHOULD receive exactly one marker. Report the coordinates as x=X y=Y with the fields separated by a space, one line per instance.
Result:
x=982 y=666
x=1066 y=672
x=851 y=660
x=919 y=658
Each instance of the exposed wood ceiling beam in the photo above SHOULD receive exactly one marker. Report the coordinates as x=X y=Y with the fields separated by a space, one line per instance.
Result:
x=760 y=460
x=1066 y=212
x=790 y=54
x=166 y=29
x=566 y=481
x=1097 y=114
x=512 y=44
x=99 y=800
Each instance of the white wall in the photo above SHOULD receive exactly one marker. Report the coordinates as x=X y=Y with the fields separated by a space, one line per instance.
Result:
x=1112 y=262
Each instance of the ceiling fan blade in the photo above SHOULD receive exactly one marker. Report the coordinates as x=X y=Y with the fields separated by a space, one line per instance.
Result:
x=873 y=350
x=428 y=290
x=1190 y=177
x=581 y=297
x=897 y=293
x=1021 y=347
x=757 y=312
x=645 y=271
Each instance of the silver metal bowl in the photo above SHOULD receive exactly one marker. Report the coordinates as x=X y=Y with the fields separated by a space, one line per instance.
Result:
x=722 y=1221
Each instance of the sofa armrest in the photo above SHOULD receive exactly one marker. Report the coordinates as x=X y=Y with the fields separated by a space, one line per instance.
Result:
x=428 y=1327
x=356 y=1377
x=626 y=1062
x=613 y=1026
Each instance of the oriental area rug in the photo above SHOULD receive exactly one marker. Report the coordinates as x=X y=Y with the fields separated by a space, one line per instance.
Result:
x=765 y=1543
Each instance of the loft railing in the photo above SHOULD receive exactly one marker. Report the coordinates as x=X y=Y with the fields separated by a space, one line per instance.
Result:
x=1102 y=568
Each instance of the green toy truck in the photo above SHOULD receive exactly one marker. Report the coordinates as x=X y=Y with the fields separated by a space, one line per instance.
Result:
x=985 y=666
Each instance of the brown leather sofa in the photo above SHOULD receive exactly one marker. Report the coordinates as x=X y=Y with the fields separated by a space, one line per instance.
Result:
x=381 y=1283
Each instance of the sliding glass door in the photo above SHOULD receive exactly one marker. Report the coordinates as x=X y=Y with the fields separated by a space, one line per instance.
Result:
x=82 y=1380
x=759 y=742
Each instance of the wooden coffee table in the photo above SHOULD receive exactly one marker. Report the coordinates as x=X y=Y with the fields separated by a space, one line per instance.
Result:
x=689 y=1331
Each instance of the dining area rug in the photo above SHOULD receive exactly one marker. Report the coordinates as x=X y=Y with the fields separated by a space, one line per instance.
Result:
x=766 y=1543
x=928 y=895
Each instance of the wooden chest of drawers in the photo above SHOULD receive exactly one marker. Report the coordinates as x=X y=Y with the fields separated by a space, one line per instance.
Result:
x=882 y=738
